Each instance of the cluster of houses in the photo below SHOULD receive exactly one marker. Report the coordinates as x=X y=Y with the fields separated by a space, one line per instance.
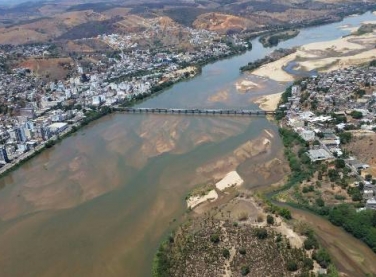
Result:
x=32 y=110
x=322 y=107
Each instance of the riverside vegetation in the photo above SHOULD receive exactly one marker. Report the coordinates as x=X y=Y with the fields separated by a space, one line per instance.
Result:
x=273 y=39
x=274 y=56
x=304 y=187
x=210 y=247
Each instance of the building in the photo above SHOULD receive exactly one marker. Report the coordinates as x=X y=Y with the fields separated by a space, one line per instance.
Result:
x=357 y=165
x=57 y=127
x=371 y=204
x=319 y=155
x=28 y=112
x=308 y=135
x=368 y=194
x=3 y=155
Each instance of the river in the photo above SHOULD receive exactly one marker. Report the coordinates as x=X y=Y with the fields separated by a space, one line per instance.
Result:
x=99 y=202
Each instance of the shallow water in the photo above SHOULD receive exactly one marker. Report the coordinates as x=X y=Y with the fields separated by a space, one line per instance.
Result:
x=99 y=202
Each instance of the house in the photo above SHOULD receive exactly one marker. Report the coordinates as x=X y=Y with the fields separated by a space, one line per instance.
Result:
x=368 y=194
x=371 y=204
x=308 y=135
x=57 y=127
x=357 y=165
x=319 y=155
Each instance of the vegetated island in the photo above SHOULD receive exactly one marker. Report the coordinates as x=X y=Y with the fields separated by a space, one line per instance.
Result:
x=274 y=56
x=231 y=240
x=364 y=29
x=271 y=40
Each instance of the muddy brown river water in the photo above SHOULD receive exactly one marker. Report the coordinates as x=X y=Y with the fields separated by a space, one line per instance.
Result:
x=99 y=202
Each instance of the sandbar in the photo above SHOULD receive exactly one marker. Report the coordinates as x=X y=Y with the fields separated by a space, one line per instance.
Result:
x=195 y=200
x=246 y=85
x=230 y=180
x=269 y=102
x=323 y=56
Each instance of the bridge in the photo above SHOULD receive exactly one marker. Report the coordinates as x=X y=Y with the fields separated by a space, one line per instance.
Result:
x=196 y=111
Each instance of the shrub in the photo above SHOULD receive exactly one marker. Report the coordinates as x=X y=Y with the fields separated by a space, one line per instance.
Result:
x=340 y=163
x=284 y=212
x=292 y=266
x=320 y=202
x=261 y=233
x=322 y=258
x=242 y=251
x=308 y=263
x=244 y=270
x=226 y=253
x=270 y=219
x=243 y=216
x=310 y=243
x=214 y=238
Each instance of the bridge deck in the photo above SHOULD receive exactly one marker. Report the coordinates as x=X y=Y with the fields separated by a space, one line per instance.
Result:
x=196 y=111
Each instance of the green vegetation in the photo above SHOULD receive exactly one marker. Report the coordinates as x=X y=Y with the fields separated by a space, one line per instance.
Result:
x=244 y=270
x=322 y=257
x=311 y=242
x=276 y=55
x=184 y=15
x=242 y=251
x=292 y=266
x=261 y=233
x=258 y=251
x=161 y=262
x=356 y=115
x=91 y=29
x=345 y=137
x=361 y=225
x=226 y=253
x=270 y=219
x=364 y=29
x=274 y=39
x=214 y=238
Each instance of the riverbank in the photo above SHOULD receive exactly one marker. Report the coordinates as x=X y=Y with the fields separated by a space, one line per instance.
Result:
x=306 y=194
x=273 y=39
x=323 y=57
x=269 y=102
x=93 y=190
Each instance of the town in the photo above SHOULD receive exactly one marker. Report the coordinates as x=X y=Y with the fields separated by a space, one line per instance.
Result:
x=328 y=111
x=36 y=111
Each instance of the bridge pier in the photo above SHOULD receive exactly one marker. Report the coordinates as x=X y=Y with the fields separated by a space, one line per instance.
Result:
x=197 y=111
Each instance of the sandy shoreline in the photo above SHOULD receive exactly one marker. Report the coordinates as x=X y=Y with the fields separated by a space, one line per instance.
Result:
x=269 y=102
x=232 y=179
x=196 y=200
x=323 y=56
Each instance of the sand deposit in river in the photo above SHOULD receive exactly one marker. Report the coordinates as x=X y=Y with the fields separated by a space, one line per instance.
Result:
x=323 y=56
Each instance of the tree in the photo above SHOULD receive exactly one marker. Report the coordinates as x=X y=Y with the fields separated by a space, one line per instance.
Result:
x=310 y=243
x=226 y=253
x=345 y=137
x=270 y=219
x=356 y=115
x=292 y=266
x=244 y=270
x=320 y=202
x=322 y=257
x=214 y=238
x=333 y=175
x=284 y=212
x=368 y=177
x=261 y=233
x=308 y=263
x=340 y=163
